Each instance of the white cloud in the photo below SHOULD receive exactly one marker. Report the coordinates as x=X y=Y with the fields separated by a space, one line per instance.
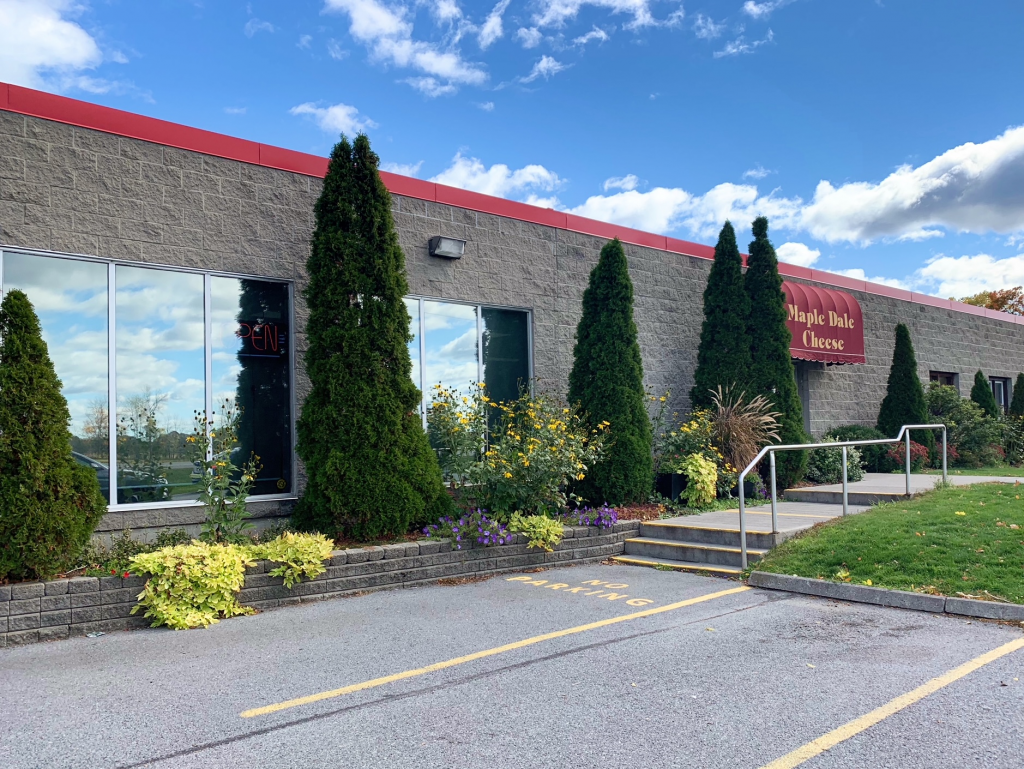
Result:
x=335 y=51
x=304 y=41
x=255 y=25
x=337 y=118
x=529 y=37
x=676 y=18
x=595 y=34
x=37 y=39
x=555 y=13
x=627 y=182
x=446 y=11
x=431 y=86
x=387 y=33
x=499 y=179
x=706 y=28
x=546 y=67
x=492 y=28
x=859 y=274
x=740 y=46
x=757 y=172
x=404 y=169
x=949 y=276
x=798 y=254
x=487 y=106
x=234 y=110
x=972 y=188
x=763 y=10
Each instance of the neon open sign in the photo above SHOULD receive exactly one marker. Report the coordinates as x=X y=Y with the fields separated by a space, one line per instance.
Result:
x=262 y=340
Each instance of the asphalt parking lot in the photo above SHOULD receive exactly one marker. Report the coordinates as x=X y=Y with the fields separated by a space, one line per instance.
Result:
x=574 y=667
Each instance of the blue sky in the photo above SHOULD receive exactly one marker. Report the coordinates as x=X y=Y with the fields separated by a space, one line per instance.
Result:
x=882 y=138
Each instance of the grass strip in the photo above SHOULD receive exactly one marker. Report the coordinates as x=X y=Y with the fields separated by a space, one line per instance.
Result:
x=962 y=541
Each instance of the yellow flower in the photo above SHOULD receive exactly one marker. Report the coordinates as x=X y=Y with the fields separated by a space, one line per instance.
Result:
x=526 y=463
x=580 y=477
x=508 y=475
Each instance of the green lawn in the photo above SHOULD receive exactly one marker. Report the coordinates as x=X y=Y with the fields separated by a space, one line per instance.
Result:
x=953 y=541
x=1000 y=471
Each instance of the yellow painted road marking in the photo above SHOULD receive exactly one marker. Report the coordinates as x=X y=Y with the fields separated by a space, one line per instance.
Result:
x=266 y=709
x=858 y=725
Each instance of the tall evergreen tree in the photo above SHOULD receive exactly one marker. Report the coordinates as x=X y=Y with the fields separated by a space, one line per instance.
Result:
x=1017 y=404
x=723 y=357
x=981 y=393
x=904 y=402
x=607 y=380
x=370 y=469
x=771 y=370
x=49 y=504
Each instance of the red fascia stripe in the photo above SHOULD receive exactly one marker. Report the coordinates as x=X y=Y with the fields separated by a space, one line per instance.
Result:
x=62 y=109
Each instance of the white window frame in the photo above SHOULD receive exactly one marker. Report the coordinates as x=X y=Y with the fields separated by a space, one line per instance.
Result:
x=208 y=276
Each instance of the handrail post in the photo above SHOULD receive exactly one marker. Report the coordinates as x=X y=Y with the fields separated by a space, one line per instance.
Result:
x=944 y=479
x=775 y=513
x=845 y=490
x=908 y=463
x=743 y=523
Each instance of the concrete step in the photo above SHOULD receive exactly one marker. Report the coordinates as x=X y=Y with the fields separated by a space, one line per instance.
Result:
x=690 y=552
x=708 y=535
x=642 y=560
x=830 y=497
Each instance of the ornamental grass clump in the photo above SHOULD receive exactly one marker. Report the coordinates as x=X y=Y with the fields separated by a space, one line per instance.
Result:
x=741 y=429
x=470 y=529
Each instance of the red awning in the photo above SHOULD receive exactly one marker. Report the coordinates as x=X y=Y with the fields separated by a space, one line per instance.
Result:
x=826 y=324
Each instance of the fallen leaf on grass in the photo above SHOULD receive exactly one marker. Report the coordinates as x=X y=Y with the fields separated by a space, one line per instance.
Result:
x=960 y=512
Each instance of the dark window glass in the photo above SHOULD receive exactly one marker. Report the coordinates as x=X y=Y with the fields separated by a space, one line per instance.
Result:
x=506 y=353
x=251 y=374
x=70 y=298
x=1001 y=391
x=161 y=381
x=943 y=378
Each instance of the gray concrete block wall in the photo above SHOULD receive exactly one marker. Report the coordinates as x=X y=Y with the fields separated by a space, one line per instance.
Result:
x=79 y=191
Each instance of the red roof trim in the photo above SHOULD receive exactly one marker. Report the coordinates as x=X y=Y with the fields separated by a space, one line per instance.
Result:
x=83 y=114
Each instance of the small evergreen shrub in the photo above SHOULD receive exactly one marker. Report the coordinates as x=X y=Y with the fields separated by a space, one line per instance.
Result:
x=49 y=504
x=874 y=459
x=904 y=402
x=607 y=384
x=981 y=393
x=1017 y=402
x=826 y=465
x=543 y=532
x=973 y=436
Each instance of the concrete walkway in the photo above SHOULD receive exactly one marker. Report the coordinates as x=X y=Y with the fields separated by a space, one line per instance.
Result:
x=893 y=483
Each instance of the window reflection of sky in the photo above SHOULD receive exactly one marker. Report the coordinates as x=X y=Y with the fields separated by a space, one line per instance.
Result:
x=160 y=341
x=451 y=345
x=413 y=308
x=70 y=298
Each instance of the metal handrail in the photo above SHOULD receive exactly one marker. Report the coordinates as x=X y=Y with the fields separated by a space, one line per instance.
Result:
x=770 y=451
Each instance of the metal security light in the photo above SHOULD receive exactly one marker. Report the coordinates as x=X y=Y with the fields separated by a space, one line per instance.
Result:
x=450 y=248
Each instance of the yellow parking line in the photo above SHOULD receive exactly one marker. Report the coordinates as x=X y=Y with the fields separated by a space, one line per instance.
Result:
x=858 y=725
x=266 y=709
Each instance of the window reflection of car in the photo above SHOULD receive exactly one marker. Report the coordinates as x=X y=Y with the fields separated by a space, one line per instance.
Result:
x=132 y=487
x=197 y=466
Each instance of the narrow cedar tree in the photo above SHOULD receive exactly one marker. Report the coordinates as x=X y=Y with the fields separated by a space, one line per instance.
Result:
x=904 y=402
x=49 y=504
x=981 y=393
x=607 y=381
x=369 y=467
x=1017 y=404
x=723 y=357
x=771 y=370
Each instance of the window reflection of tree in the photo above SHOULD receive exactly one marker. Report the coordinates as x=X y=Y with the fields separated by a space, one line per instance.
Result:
x=142 y=447
x=262 y=394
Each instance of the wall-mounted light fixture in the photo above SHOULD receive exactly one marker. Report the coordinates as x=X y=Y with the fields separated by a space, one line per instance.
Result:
x=450 y=248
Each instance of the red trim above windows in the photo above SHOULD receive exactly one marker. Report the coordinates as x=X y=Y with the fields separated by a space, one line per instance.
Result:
x=61 y=109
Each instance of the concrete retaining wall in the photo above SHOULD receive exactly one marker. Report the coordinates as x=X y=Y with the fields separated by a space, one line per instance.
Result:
x=45 y=611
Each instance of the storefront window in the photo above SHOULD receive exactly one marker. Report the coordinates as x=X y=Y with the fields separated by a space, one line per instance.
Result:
x=70 y=298
x=464 y=344
x=173 y=359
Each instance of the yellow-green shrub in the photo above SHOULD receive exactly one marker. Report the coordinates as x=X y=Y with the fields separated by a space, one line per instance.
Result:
x=542 y=531
x=298 y=554
x=702 y=478
x=192 y=585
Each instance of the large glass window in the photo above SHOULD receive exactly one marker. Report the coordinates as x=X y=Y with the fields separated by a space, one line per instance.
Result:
x=183 y=344
x=251 y=374
x=456 y=345
x=70 y=298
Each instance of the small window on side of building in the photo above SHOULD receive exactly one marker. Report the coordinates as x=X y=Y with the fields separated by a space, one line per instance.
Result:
x=1001 y=390
x=945 y=378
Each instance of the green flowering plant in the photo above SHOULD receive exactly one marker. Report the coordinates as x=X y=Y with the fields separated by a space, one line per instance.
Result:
x=457 y=427
x=702 y=480
x=299 y=555
x=223 y=486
